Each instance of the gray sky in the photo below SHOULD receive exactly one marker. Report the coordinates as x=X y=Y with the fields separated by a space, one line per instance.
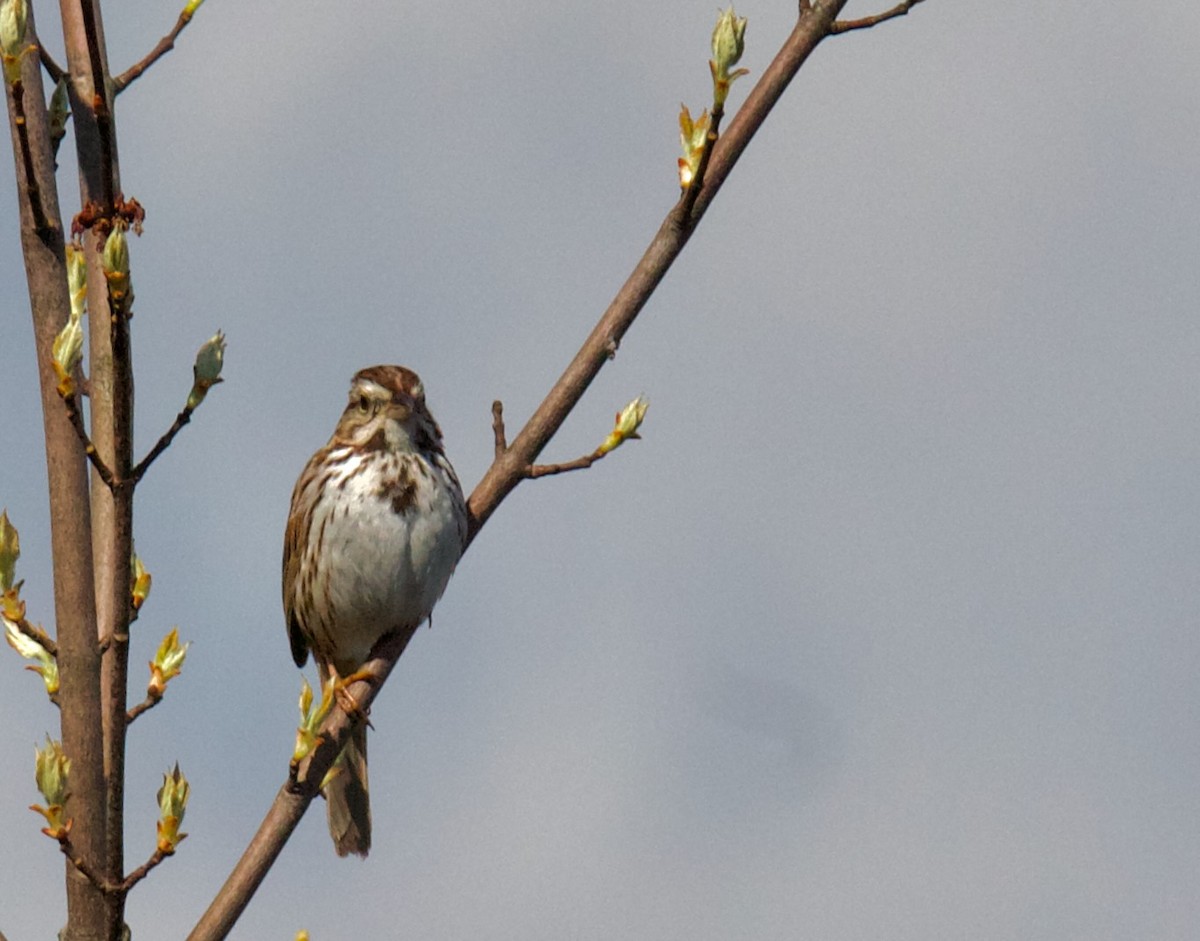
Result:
x=887 y=628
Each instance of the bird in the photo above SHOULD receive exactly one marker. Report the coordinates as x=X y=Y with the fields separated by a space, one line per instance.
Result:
x=376 y=527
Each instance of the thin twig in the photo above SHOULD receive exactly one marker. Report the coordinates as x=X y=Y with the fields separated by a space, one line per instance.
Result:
x=163 y=443
x=89 y=448
x=64 y=844
x=143 y=870
x=56 y=72
x=145 y=705
x=900 y=9
x=165 y=45
x=547 y=470
x=498 y=428
x=109 y=888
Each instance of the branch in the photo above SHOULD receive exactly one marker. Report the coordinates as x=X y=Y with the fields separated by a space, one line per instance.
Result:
x=184 y=416
x=111 y=427
x=165 y=45
x=144 y=706
x=900 y=9
x=510 y=467
x=102 y=469
x=69 y=501
x=533 y=471
x=142 y=871
x=56 y=72
x=64 y=844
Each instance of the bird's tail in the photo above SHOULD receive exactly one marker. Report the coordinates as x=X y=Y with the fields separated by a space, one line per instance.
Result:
x=346 y=797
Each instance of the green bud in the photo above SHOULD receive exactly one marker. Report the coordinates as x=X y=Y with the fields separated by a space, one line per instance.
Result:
x=693 y=135
x=172 y=804
x=66 y=353
x=77 y=278
x=206 y=372
x=728 y=39
x=629 y=420
x=728 y=43
x=10 y=551
x=116 y=252
x=310 y=720
x=13 y=17
x=44 y=663
x=192 y=7
x=167 y=663
x=140 y=581
x=115 y=261
x=52 y=771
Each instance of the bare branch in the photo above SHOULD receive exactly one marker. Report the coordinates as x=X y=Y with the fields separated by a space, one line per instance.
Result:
x=56 y=72
x=102 y=469
x=510 y=468
x=111 y=429
x=142 y=871
x=900 y=9
x=64 y=844
x=546 y=470
x=165 y=45
x=144 y=706
x=163 y=443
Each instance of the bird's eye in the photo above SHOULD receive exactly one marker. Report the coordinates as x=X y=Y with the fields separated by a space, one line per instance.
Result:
x=364 y=404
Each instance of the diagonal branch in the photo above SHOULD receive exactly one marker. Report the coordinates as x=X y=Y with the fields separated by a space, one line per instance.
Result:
x=144 y=706
x=64 y=844
x=102 y=469
x=509 y=468
x=165 y=45
x=184 y=416
x=537 y=470
x=900 y=9
x=142 y=871
x=56 y=72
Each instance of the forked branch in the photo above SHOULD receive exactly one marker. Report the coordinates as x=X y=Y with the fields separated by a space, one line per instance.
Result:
x=900 y=9
x=165 y=45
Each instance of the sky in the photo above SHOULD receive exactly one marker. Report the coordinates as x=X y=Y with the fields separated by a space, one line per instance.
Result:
x=888 y=626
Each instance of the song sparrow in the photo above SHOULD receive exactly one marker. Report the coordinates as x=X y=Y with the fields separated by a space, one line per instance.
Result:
x=376 y=527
